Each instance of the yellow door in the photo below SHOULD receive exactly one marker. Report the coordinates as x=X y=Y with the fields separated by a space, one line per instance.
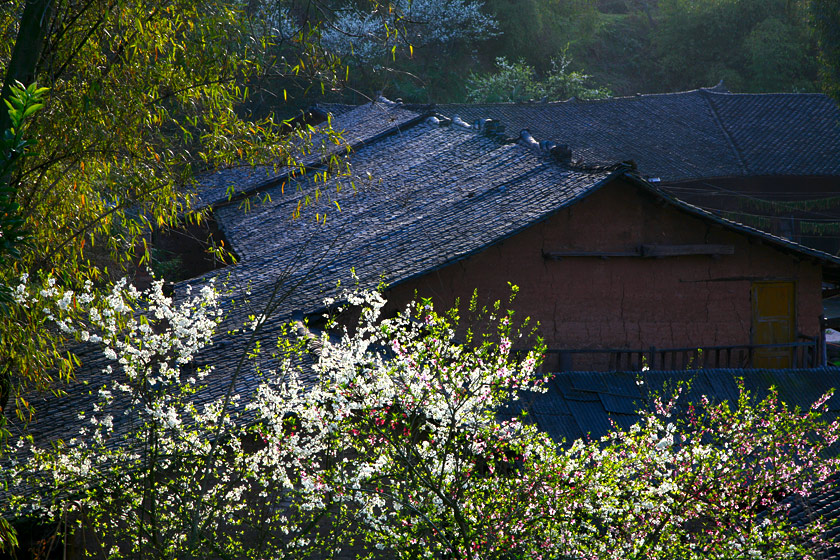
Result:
x=773 y=322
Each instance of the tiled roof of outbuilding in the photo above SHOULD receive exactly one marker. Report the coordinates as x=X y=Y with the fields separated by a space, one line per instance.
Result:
x=580 y=404
x=782 y=133
x=688 y=135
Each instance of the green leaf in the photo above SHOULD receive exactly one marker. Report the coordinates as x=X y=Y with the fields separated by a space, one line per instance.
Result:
x=32 y=109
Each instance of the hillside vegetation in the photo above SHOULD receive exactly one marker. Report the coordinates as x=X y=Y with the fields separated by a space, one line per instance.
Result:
x=623 y=46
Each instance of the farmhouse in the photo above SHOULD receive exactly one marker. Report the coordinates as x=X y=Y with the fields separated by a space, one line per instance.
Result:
x=611 y=266
x=618 y=272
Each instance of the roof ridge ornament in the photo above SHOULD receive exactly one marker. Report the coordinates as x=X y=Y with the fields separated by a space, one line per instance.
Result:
x=385 y=101
x=460 y=122
x=527 y=140
x=493 y=128
x=561 y=153
x=720 y=87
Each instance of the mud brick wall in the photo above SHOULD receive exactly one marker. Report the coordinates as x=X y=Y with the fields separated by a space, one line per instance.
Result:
x=589 y=302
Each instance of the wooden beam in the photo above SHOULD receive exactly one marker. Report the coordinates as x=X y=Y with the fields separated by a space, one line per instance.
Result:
x=656 y=251
x=557 y=255
x=684 y=250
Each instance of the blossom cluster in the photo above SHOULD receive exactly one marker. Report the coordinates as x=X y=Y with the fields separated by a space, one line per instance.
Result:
x=144 y=414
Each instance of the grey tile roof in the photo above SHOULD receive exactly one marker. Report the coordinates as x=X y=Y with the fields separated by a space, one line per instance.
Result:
x=356 y=126
x=334 y=109
x=689 y=135
x=581 y=403
x=782 y=133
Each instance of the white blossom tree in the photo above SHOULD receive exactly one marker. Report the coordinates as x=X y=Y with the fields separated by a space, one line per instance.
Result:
x=371 y=35
x=402 y=443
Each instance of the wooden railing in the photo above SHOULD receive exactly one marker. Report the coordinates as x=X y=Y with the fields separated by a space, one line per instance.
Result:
x=804 y=354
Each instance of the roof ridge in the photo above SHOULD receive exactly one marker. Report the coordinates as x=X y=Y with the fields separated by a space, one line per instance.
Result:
x=767 y=93
x=562 y=154
x=705 y=91
x=729 y=140
x=559 y=153
x=492 y=128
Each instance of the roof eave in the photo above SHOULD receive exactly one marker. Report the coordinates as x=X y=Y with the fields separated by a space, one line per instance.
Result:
x=830 y=263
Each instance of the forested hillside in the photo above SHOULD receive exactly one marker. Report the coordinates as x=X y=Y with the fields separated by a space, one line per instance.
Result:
x=510 y=50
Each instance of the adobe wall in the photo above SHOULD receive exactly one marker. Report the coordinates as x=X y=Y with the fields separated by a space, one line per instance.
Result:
x=626 y=302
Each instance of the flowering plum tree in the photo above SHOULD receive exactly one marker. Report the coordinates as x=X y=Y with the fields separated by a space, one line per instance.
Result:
x=404 y=442
x=400 y=433
x=366 y=35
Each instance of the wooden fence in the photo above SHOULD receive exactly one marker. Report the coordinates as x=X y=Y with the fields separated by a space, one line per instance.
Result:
x=803 y=354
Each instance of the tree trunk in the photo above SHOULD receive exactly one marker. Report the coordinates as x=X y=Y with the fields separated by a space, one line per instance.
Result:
x=32 y=34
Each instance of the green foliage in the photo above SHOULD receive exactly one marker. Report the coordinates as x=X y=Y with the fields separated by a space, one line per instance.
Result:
x=808 y=215
x=18 y=341
x=401 y=55
x=751 y=44
x=14 y=148
x=537 y=31
x=618 y=54
x=631 y=46
x=778 y=57
x=671 y=45
x=825 y=18
x=628 y=46
x=390 y=435
x=143 y=96
x=517 y=81
x=165 y=264
x=8 y=536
